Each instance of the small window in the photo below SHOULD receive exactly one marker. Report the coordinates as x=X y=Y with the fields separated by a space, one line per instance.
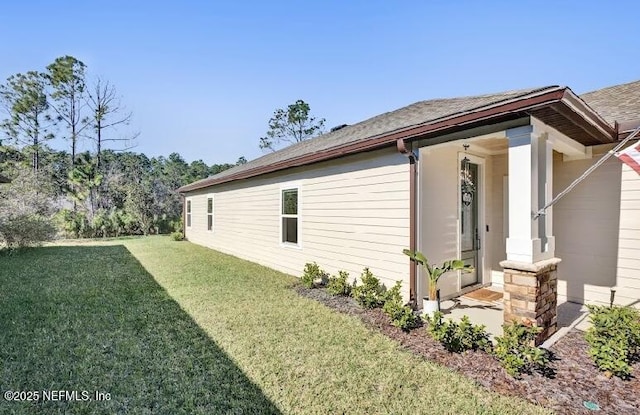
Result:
x=289 y=216
x=210 y=213
x=188 y=213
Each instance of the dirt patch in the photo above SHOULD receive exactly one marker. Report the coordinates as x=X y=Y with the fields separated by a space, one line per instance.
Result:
x=575 y=378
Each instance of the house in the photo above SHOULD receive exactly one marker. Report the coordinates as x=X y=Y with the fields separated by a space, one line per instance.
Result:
x=4 y=179
x=459 y=177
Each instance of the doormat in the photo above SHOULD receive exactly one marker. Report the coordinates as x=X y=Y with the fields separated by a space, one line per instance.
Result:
x=484 y=294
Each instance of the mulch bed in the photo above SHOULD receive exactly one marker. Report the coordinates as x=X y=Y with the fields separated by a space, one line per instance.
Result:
x=575 y=378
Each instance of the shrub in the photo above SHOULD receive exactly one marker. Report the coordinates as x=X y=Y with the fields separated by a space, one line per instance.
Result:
x=177 y=236
x=338 y=285
x=371 y=293
x=101 y=224
x=458 y=337
x=18 y=231
x=614 y=338
x=312 y=272
x=402 y=316
x=26 y=208
x=515 y=352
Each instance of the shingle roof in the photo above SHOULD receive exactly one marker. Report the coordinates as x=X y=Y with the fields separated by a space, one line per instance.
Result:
x=616 y=103
x=4 y=179
x=423 y=112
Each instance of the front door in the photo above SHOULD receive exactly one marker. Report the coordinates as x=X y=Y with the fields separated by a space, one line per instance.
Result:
x=469 y=226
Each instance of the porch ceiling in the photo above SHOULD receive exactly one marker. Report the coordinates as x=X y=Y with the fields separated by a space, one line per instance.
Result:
x=493 y=145
x=567 y=117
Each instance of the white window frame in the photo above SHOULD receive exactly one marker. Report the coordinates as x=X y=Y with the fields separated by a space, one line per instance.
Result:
x=283 y=187
x=212 y=214
x=188 y=216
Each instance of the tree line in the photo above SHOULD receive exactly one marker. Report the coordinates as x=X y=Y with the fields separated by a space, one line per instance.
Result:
x=108 y=190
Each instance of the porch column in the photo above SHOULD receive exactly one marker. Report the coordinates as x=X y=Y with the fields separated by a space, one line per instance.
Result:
x=530 y=278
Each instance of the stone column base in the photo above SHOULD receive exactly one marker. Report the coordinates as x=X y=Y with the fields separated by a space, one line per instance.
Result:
x=531 y=295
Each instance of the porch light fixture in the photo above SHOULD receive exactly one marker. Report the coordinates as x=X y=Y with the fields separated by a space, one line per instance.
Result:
x=467 y=186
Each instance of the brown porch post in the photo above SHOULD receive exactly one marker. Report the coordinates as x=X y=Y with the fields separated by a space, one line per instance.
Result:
x=402 y=148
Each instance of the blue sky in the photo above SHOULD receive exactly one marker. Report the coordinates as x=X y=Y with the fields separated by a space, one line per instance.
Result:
x=203 y=78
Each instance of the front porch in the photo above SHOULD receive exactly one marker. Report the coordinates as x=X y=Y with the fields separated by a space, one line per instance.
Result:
x=484 y=308
x=478 y=197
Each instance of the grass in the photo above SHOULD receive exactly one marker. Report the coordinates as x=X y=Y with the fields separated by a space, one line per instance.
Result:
x=171 y=327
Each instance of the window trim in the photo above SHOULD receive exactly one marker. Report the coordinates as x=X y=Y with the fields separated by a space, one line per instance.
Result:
x=213 y=209
x=188 y=212
x=283 y=187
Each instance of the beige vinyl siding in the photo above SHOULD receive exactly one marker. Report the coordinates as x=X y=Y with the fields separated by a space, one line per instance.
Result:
x=597 y=229
x=353 y=212
x=628 y=271
x=438 y=212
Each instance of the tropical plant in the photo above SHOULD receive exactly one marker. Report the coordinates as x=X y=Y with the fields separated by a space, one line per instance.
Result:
x=434 y=273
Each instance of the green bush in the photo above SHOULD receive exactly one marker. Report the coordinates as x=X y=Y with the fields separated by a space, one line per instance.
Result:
x=402 y=316
x=370 y=294
x=458 y=337
x=614 y=338
x=339 y=285
x=312 y=272
x=22 y=230
x=177 y=236
x=515 y=351
x=75 y=224
x=101 y=224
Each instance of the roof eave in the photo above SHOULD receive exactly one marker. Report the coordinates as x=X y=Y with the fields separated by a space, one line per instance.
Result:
x=561 y=98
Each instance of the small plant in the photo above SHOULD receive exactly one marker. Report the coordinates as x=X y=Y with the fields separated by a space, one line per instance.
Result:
x=338 y=285
x=515 y=351
x=312 y=272
x=371 y=293
x=434 y=273
x=614 y=338
x=402 y=316
x=177 y=236
x=458 y=337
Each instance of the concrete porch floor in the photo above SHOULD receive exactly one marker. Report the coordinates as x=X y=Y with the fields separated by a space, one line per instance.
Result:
x=490 y=313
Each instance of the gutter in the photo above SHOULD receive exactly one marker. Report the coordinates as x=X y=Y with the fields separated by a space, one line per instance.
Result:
x=402 y=149
x=624 y=128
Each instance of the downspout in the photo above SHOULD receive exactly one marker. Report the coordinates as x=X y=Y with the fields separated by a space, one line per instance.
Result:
x=184 y=216
x=402 y=149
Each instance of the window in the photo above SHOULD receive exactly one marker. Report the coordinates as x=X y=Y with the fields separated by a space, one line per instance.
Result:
x=210 y=213
x=289 y=216
x=188 y=213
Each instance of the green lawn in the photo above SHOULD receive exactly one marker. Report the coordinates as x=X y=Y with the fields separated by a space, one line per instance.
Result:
x=170 y=327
